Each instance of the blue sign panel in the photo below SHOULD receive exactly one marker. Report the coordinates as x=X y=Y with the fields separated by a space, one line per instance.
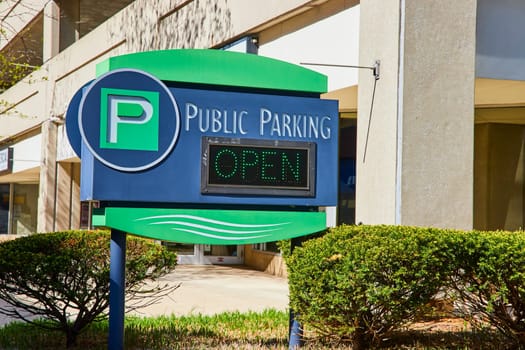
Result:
x=144 y=141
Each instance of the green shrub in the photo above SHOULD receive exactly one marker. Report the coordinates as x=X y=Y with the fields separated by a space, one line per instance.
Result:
x=64 y=277
x=360 y=282
x=490 y=285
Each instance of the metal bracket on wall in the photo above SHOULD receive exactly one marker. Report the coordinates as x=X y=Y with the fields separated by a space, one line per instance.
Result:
x=374 y=68
x=377 y=66
x=375 y=71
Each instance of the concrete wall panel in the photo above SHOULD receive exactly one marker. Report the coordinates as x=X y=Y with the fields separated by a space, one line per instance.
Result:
x=438 y=113
x=418 y=168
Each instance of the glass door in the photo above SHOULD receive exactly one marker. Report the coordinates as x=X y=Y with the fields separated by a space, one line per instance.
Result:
x=205 y=254
x=187 y=254
x=25 y=209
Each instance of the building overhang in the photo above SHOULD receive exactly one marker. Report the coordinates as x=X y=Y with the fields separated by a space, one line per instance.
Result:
x=507 y=97
x=347 y=100
x=499 y=93
x=31 y=175
x=499 y=101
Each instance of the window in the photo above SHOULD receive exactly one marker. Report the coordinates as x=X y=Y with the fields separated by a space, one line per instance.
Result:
x=271 y=247
x=4 y=208
x=347 y=172
x=25 y=209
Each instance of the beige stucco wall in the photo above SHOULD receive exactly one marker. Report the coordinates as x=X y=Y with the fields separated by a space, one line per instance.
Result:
x=24 y=105
x=419 y=161
x=438 y=114
x=376 y=173
x=144 y=25
x=265 y=261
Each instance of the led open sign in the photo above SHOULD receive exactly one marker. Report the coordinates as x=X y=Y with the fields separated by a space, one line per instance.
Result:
x=257 y=167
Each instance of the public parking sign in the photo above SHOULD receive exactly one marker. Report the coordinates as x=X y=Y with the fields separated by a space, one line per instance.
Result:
x=155 y=141
x=203 y=147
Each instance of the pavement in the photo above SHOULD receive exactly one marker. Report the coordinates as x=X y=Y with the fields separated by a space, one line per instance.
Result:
x=211 y=289
x=3 y=318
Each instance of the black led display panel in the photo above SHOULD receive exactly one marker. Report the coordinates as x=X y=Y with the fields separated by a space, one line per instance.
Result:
x=258 y=167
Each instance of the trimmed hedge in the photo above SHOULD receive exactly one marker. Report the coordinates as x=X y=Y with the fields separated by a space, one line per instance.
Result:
x=358 y=283
x=490 y=284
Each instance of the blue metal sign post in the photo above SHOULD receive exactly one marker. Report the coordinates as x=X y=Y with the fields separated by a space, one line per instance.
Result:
x=203 y=147
x=295 y=332
x=117 y=284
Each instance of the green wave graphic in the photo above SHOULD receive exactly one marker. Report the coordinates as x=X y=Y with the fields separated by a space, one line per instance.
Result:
x=211 y=228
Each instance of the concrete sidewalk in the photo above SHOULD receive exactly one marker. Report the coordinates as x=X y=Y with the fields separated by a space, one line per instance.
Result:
x=211 y=289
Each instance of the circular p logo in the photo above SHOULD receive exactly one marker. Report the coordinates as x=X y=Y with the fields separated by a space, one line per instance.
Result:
x=129 y=120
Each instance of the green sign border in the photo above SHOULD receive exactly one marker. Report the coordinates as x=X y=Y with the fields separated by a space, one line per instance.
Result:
x=200 y=66
x=210 y=226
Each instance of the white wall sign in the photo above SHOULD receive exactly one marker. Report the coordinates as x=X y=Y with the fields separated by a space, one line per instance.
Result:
x=6 y=160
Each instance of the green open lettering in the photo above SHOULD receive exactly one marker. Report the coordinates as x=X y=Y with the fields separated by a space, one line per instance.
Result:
x=250 y=158
x=267 y=165
x=221 y=169
x=287 y=167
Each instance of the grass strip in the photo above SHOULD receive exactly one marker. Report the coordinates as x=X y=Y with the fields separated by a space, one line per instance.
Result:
x=232 y=330
x=251 y=330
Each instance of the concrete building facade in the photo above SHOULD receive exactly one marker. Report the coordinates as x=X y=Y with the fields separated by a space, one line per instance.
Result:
x=438 y=140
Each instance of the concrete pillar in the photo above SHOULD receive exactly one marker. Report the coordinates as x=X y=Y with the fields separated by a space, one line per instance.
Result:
x=63 y=196
x=67 y=206
x=46 y=198
x=75 y=196
x=51 y=36
x=418 y=168
x=67 y=203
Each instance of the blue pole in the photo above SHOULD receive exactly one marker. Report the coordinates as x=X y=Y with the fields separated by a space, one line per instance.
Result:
x=117 y=277
x=295 y=330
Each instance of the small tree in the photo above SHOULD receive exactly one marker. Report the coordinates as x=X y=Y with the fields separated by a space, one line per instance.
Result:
x=64 y=278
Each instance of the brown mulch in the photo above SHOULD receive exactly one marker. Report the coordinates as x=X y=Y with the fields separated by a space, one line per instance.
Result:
x=446 y=333
x=445 y=324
